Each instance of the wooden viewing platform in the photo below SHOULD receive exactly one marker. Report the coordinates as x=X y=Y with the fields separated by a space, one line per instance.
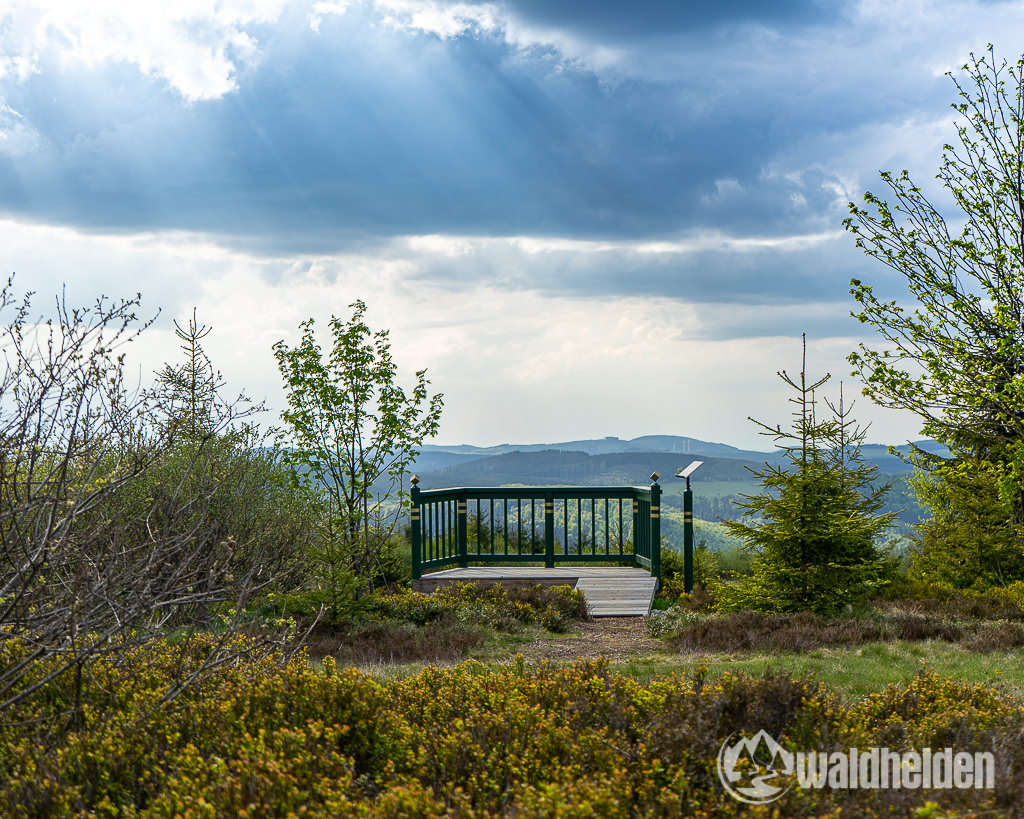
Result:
x=611 y=591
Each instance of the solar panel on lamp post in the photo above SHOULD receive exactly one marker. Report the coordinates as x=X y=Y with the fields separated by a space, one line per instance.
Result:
x=688 y=525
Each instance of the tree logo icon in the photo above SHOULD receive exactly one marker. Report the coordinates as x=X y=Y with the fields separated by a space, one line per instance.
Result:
x=749 y=768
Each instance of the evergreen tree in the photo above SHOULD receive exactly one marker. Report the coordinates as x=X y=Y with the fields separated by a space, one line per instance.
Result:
x=187 y=392
x=814 y=529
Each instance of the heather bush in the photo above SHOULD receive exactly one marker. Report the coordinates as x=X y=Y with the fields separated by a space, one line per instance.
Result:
x=276 y=737
x=671 y=621
x=981 y=623
x=406 y=626
x=495 y=606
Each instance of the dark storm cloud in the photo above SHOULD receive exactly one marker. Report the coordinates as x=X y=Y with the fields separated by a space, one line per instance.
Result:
x=360 y=129
x=727 y=119
x=706 y=270
x=614 y=21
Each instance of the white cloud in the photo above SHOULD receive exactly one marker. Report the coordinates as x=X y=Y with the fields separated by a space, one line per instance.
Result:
x=17 y=137
x=197 y=47
x=695 y=242
x=515 y=365
x=322 y=9
x=445 y=20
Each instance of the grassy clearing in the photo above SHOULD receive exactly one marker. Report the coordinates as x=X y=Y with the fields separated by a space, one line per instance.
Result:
x=390 y=721
x=850 y=672
x=853 y=656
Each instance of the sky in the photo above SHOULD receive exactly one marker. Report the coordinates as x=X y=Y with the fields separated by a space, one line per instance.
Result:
x=583 y=219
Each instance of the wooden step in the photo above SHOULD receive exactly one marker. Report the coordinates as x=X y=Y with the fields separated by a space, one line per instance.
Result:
x=618 y=597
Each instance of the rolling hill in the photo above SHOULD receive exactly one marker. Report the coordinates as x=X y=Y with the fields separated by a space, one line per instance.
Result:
x=720 y=482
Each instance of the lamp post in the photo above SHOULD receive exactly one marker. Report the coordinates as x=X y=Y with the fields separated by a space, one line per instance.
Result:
x=688 y=525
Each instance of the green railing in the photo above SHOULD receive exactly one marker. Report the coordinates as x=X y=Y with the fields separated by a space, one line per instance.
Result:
x=536 y=524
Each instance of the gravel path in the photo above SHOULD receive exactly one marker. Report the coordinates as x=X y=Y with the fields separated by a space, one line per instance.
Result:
x=617 y=638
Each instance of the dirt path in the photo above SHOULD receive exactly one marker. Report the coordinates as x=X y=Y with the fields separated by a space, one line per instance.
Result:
x=617 y=638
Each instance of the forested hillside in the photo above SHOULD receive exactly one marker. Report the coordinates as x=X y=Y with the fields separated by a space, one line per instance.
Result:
x=717 y=485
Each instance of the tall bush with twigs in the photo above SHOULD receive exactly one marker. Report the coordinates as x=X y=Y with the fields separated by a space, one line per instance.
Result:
x=351 y=431
x=113 y=524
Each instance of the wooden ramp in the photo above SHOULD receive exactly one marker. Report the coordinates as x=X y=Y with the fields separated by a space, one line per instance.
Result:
x=611 y=591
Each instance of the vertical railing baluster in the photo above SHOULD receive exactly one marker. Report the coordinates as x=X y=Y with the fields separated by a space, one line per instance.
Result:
x=579 y=526
x=636 y=518
x=533 y=525
x=443 y=520
x=565 y=523
x=607 y=551
x=504 y=523
x=622 y=534
x=519 y=524
x=593 y=526
x=430 y=530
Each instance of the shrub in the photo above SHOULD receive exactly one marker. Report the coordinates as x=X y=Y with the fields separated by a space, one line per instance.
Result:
x=405 y=626
x=273 y=738
x=670 y=622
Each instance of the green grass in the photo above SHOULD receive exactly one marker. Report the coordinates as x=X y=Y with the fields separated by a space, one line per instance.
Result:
x=852 y=672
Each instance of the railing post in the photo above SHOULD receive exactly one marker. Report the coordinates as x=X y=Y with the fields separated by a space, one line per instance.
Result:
x=637 y=547
x=415 y=533
x=656 y=528
x=687 y=538
x=549 y=530
x=461 y=531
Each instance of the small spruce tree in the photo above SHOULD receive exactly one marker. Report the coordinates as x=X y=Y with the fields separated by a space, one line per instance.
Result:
x=814 y=529
x=187 y=393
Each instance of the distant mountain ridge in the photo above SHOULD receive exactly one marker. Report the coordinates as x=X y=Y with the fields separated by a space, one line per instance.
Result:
x=601 y=446
x=719 y=485
x=560 y=467
x=721 y=482
x=437 y=457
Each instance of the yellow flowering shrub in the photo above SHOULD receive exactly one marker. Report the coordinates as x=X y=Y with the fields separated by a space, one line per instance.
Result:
x=274 y=738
